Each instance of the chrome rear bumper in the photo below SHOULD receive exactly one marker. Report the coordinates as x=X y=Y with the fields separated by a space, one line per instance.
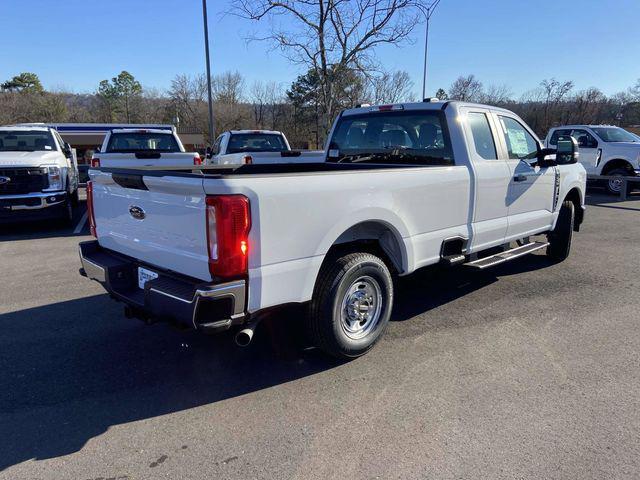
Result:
x=205 y=306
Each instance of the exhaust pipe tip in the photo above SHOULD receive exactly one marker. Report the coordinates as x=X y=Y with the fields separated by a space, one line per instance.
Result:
x=243 y=337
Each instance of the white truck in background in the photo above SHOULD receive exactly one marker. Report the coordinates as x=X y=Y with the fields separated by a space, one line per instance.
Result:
x=241 y=147
x=38 y=174
x=604 y=150
x=127 y=147
x=403 y=187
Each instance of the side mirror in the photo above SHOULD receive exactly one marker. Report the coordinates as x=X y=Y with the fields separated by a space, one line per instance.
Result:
x=543 y=160
x=567 y=151
x=208 y=152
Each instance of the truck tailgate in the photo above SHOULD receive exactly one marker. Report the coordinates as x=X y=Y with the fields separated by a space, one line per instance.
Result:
x=160 y=221
x=132 y=160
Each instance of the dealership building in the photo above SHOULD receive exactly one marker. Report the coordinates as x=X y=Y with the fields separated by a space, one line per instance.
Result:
x=86 y=137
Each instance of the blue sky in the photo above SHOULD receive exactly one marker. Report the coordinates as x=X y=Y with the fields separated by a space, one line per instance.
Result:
x=73 y=44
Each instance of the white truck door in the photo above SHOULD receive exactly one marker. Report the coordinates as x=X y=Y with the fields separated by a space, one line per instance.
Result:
x=531 y=188
x=490 y=216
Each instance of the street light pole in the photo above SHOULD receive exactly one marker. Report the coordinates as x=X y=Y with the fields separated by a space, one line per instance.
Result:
x=206 y=50
x=430 y=9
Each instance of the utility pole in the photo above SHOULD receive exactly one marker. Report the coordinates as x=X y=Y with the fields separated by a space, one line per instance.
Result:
x=430 y=9
x=209 y=92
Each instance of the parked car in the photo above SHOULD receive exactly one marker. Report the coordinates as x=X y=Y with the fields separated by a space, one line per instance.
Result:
x=258 y=146
x=126 y=147
x=38 y=174
x=404 y=186
x=604 y=150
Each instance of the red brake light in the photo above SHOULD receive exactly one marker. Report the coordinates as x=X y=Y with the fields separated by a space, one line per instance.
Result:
x=228 y=225
x=90 y=213
x=95 y=163
x=197 y=160
x=247 y=159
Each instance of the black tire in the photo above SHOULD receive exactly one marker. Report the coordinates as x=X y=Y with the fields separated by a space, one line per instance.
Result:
x=333 y=327
x=560 y=237
x=66 y=217
x=613 y=187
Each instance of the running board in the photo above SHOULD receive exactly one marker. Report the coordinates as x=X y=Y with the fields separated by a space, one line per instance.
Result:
x=506 y=256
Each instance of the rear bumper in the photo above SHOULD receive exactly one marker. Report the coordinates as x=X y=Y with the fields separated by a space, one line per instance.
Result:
x=32 y=205
x=171 y=297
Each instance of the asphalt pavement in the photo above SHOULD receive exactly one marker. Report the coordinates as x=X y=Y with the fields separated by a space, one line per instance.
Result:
x=528 y=371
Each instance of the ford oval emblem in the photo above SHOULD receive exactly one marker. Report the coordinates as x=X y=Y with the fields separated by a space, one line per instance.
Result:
x=4 y=180
x=137 y=212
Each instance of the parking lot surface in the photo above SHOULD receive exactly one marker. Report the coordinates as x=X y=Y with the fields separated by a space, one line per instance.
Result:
x=531 y=370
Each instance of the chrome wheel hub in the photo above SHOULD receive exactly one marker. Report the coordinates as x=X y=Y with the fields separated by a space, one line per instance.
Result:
x=361 y=307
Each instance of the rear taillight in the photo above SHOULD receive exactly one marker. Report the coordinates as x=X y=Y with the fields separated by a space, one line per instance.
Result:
x=197 y=160
x=247 y=160
x=90 y=213
x=95 y=163
x=228 y=224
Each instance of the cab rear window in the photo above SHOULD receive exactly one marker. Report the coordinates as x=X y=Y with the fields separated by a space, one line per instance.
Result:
x=414 y=138
x=256 y=142
x=142 y=141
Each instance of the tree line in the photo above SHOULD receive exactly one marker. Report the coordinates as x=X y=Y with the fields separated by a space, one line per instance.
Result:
x=297 y=108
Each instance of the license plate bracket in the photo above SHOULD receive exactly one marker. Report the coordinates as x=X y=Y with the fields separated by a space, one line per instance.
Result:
x=144 y=275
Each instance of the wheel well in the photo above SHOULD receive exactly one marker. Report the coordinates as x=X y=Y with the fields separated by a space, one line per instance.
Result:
x=373 y=237
x=615 y=164
x=574 y=196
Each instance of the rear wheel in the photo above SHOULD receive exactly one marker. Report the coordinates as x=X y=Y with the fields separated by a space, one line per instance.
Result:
x=614 y=186
x=560 y=237
x=351 y=305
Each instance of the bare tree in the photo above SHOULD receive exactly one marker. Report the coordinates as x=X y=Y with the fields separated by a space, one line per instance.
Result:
x=333 y=37
x=496 y=95
x=228 y=88
x=467 y=89
x=392 y=88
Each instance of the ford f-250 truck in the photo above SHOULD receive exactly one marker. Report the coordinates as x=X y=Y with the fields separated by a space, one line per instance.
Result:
x=403 y=186
x=604 y=150
x=258 y=146
x=38 y=174
x=127 y=147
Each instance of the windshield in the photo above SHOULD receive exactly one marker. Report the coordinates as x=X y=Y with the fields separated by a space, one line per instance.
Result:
x=26 y=141
x=615 y=134
x=392 y=137
x=256 y=142
x=142 y=141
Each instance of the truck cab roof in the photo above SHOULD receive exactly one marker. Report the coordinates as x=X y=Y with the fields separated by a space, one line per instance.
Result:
x=142 y=130
x=425 y=105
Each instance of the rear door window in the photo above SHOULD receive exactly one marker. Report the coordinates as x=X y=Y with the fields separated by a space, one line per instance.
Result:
x=483 y=141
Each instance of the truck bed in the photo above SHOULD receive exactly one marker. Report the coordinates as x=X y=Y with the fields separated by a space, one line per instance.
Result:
x=220 y=171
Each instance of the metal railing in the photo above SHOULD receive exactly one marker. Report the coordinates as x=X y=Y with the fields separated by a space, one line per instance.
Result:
x=625 y=183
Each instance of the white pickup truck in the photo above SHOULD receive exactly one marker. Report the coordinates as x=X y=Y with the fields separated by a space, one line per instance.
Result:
x=38 y=174
x=604 y=150
x=403 y=186
x=258 y=146
x=127 y=147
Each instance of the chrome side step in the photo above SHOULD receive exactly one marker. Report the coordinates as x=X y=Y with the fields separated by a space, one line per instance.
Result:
x=507 y=255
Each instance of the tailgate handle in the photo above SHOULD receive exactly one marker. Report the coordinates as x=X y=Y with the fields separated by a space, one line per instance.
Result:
x=147 y=155
x=290 y=153
x=128 y=180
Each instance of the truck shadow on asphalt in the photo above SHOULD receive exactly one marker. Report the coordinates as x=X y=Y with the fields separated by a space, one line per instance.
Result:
x=45 y=228
x=70 y=371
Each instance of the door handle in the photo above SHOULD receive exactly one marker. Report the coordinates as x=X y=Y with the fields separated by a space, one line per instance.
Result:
x=520 y=178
